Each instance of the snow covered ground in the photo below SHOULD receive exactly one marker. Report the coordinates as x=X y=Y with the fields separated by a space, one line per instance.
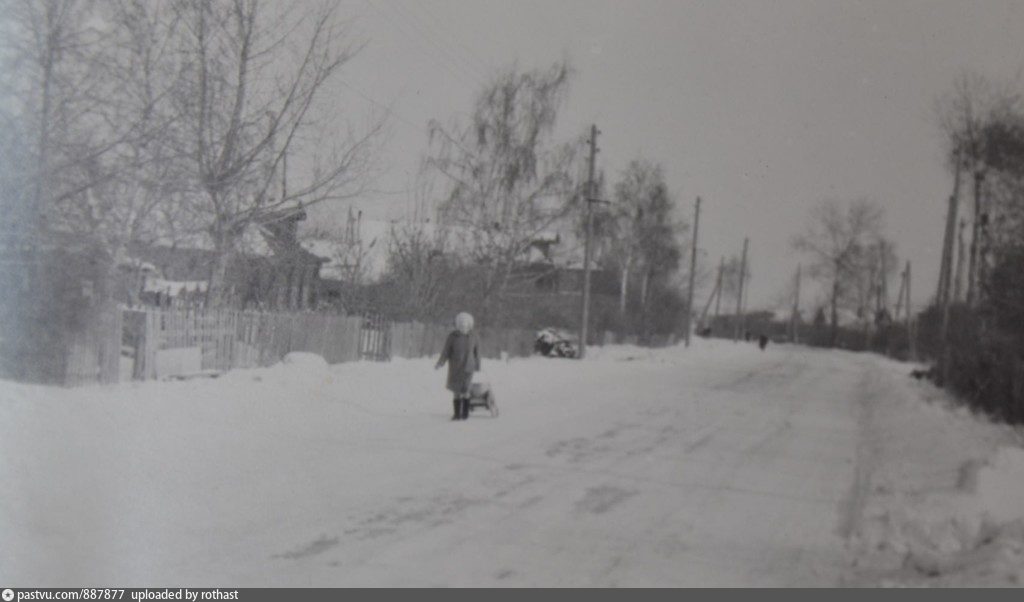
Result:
x=717 y=465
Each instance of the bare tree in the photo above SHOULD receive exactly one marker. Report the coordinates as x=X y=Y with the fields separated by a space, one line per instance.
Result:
x=836 y=240
x=731 y=278
x=877 y=267
x=509 y=179
x=146 y=188
x=637 y=232
x=648 y=229
x=972 y=115
x=87 y=88
x=422 y=270
x=55 y=96
x=252 y=94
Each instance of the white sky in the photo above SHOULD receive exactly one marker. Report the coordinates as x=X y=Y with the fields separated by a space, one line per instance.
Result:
x=760 y=107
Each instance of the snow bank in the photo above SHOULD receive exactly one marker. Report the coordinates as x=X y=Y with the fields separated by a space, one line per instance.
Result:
x=999 y=486
x=976 y=528
x=305 y=359
x=944 y=493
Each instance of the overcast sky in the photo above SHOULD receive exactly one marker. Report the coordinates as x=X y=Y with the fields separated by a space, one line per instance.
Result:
x=762 y=108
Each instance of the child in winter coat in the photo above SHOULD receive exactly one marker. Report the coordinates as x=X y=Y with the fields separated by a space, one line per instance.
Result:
x=462 y=354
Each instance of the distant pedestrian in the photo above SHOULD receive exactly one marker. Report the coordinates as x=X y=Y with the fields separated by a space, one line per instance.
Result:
x=462 y=354
x=762 y=341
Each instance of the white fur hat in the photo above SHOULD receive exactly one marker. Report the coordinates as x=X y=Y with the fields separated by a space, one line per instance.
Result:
x=464 y=322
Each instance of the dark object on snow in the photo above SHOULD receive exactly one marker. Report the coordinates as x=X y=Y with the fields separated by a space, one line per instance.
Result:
x=762 y=341
x=922 y=374
x=704 y=332
x=747 y=335
x=554 y=343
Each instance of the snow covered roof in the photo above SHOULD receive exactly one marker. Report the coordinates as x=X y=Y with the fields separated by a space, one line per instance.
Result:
x=138 y=264
x=373 y=237
x=173 y=288
x=369 y=247
x=253 y=241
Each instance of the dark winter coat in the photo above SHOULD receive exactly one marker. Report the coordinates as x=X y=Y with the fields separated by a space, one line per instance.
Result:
x=462 y=353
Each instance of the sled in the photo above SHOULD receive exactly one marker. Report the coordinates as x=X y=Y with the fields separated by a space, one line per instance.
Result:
x=481 y=395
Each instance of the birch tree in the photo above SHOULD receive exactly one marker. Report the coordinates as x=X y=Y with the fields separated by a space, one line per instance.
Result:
x=254 y=98
x=509 y=179
x=53 y=98
x=643 y=229
x=836 y=238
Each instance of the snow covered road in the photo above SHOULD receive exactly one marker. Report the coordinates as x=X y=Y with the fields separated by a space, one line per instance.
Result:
x=718 y=465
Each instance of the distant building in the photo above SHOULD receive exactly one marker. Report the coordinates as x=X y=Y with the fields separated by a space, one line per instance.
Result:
x=270 y=271
x=552 y=265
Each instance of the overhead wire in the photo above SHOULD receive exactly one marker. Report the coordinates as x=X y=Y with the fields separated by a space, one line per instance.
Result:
x=393 y=17
x=419 y=26
x=449 y=34
x=424 y=20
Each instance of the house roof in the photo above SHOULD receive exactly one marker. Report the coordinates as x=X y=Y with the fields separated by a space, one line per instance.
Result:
x=173 y=288
x=563 y=248
x=253 y=241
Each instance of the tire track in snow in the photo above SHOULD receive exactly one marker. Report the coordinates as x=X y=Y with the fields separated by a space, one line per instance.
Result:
x=866 y=459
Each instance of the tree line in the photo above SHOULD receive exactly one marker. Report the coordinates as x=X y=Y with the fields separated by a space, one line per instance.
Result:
x=974 y=330
x=506 y=182
x=136 y=122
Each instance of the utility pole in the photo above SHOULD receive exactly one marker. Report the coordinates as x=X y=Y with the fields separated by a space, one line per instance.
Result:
x=958 y=278
x=693 y=272
x=718 y=287
x=900 y=295
x=739 y=295
x=883 y=285
x=796 y=308
x=716 y=296
x=945 y=270
x=585 y=310
x=972 y=261
x=945 y=278
x=911 y=344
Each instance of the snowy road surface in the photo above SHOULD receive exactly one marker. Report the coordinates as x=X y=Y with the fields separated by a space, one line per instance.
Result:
x=719 y=465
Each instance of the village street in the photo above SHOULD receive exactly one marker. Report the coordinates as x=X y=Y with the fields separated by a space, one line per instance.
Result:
x=718 y=465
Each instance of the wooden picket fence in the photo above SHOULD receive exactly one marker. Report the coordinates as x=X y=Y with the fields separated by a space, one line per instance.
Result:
x=228 y=339
x=93 y=354
x=231 y=339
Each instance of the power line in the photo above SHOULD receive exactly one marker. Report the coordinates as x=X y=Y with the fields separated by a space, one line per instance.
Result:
x=391 y=111
x=420 y=26
x=445 y=61
x=443 y=32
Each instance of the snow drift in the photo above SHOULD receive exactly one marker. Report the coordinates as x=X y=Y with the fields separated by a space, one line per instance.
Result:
x=976 y=528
